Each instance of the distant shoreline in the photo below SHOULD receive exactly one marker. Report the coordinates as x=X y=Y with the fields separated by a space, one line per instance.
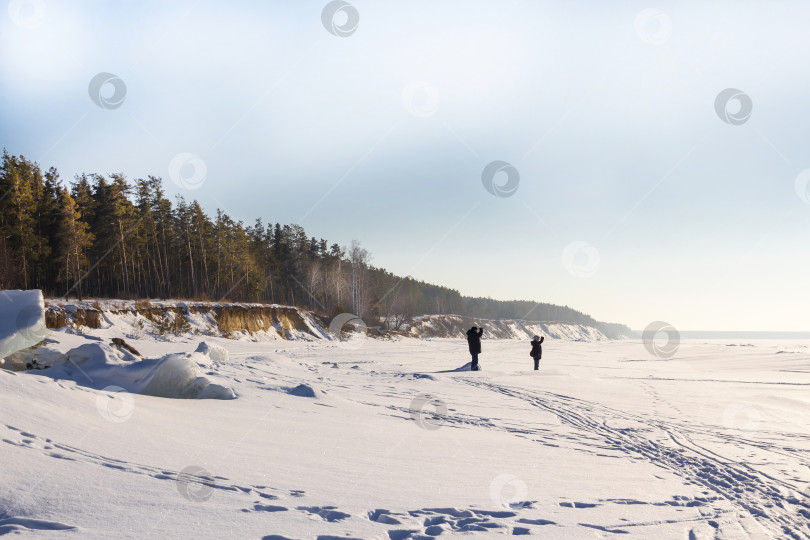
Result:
x=737 y=334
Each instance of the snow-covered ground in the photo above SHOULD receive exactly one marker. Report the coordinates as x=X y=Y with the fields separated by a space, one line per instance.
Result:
x=387 y=439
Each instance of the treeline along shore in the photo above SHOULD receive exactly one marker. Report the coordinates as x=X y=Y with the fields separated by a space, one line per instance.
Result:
x=110 y=237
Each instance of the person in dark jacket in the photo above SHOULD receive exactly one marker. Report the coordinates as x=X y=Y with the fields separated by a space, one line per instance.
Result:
x=537 y=350
x=474 y=341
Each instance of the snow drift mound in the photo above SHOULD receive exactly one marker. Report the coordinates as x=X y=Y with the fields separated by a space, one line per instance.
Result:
x=22 y=320
x=306 y=391
x=175 y=375
x=465 y=367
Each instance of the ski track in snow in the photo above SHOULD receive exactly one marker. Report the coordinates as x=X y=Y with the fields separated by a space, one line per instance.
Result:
x=16 y=437
x=669 y=445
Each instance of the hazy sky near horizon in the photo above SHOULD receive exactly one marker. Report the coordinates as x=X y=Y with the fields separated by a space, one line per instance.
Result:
x=636 y=201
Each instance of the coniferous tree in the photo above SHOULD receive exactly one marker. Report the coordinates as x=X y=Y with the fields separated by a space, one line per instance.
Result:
x=73 y=240
x=21 y=189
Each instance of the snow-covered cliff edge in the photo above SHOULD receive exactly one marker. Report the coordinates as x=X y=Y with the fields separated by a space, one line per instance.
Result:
x=266 y=322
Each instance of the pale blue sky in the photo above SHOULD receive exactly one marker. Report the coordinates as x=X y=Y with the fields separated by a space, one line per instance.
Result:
x=610 y=122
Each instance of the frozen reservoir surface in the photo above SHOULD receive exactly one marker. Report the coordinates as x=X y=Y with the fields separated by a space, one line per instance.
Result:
x=387 y=439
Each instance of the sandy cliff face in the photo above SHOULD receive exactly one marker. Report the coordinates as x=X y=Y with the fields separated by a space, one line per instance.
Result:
x=457 y=326
x=261 y=321
x=265 y=322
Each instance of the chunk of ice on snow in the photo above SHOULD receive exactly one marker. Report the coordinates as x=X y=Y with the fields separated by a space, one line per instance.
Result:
x=214 y=352
x=22 y=320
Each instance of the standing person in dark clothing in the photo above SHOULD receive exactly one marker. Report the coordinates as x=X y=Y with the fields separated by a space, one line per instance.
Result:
x=537 y=350
x=474 y=341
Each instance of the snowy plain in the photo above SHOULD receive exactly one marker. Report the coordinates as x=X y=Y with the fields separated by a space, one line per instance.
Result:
x=389 y=439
